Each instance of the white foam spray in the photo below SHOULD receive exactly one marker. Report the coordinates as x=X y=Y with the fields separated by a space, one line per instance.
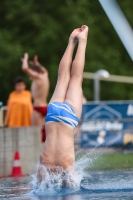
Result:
x=62 y=181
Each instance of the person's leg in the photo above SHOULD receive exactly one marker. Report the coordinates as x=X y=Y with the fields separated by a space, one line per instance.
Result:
x=37 y=119
x=74 y=94
x=64 y=70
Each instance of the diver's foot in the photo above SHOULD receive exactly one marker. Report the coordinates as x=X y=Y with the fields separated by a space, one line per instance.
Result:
x=82 y=36
x=74 y=35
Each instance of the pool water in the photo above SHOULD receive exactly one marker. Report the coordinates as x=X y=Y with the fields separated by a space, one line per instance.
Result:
x=101 y=185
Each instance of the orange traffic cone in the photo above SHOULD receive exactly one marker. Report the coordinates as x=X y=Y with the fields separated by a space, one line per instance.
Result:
x=16 y=170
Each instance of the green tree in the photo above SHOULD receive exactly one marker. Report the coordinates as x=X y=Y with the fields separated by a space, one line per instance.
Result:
x=43 y=27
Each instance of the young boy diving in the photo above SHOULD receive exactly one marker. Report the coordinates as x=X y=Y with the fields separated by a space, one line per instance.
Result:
x=65 y=107
x=39 y=90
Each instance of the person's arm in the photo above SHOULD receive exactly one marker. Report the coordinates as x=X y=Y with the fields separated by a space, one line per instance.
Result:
x=25 y=67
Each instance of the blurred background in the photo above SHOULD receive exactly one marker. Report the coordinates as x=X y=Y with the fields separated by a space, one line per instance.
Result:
x=43 y=28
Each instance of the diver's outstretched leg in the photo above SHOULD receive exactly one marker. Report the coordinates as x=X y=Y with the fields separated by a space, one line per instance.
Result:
x=74 y=94
x=64 y=70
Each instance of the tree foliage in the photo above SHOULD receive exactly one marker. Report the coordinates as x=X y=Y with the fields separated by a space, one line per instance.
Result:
x=43 y=27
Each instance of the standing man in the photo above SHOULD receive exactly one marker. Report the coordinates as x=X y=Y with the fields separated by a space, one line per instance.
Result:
x=39 y=90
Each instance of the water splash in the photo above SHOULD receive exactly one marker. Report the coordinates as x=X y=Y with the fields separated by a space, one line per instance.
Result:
x=62 y=181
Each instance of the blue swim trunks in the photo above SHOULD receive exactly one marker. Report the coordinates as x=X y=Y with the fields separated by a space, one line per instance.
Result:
x=62 y=112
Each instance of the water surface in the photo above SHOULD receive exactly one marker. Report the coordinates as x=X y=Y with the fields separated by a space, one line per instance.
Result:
x=102 y=185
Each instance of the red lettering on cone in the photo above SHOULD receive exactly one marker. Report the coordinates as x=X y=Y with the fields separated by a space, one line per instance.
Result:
x=17 y=169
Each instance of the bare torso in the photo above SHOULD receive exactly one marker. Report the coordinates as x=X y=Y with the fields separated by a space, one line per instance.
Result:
x=59 y=146
x=40 y=89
